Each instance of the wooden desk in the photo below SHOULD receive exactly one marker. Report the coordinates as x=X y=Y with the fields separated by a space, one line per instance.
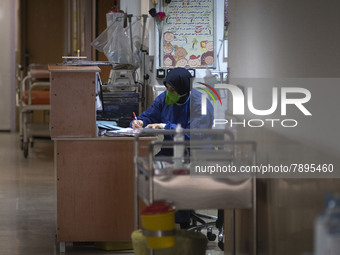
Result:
x=95 y=185
x=95 y=175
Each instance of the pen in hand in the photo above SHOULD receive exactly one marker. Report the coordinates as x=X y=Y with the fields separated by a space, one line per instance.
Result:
x=137 y=122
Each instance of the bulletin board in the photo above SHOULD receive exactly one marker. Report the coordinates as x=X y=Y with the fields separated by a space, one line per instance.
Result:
x=188 y=34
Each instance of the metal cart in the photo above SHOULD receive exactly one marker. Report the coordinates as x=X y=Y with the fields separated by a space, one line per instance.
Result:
x=33 y=95
x=176 y=179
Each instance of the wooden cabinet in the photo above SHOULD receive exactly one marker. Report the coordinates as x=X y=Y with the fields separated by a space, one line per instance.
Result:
x=73 y=95
x=95 y=175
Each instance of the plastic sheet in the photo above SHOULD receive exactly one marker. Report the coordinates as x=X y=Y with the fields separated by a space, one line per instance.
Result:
x=115 y=42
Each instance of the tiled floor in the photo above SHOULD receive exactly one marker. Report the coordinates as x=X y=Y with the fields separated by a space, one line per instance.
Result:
x=27 y=202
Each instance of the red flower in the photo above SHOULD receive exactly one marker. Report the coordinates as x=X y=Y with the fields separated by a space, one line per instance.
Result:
x=161 y=16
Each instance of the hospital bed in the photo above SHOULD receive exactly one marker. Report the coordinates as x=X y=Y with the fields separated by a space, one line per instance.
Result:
x=198 y=177
x=33 y=96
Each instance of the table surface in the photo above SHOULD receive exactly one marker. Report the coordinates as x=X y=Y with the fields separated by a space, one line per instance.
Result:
x=64 y=68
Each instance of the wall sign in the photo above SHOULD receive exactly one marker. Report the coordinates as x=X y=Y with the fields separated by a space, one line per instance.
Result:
x=188 y=34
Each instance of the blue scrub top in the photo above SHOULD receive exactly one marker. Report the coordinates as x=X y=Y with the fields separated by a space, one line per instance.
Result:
x=171 y=115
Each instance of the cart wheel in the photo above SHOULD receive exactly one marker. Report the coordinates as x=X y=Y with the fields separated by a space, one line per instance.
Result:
x=221 y=245
x=25 y=149
x=21 y=142
x=210 y=235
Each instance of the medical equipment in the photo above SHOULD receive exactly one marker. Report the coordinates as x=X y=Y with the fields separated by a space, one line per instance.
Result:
x=121 y=80
x=203 y=181
x=121 y=96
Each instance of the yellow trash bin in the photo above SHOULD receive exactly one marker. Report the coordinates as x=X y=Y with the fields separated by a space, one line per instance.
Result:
x=186 y=243
x=158 y=221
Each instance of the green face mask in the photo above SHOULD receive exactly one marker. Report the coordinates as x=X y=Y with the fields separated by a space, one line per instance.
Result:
x=171 y=98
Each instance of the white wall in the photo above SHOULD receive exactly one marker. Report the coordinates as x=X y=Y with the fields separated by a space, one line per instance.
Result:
x=7 y=64
x=284 y=38
x=270 y=41
x=131 y=7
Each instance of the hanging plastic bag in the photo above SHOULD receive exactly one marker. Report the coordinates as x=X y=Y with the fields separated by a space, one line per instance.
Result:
x=113 y=16
x=118 y=49
x=116 y=45
x=100 y=42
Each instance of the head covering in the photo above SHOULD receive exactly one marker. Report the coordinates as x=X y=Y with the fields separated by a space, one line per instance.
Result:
x=179 y=79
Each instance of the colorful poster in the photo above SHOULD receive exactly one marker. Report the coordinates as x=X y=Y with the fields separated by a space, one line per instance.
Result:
x=188 y=34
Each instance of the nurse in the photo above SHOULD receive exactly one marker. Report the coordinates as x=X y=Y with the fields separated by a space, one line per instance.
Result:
x=177 y=105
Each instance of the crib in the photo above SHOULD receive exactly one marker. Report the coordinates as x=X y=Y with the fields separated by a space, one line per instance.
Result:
x=184 y=181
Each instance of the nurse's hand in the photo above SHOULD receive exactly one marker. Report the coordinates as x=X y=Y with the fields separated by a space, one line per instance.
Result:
x=137 y=124
x=156 y=126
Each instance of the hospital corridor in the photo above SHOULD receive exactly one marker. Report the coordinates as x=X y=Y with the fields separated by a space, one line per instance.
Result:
x=27 y=204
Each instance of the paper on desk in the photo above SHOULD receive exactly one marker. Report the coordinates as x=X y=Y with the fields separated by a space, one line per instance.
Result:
x=123 y=132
